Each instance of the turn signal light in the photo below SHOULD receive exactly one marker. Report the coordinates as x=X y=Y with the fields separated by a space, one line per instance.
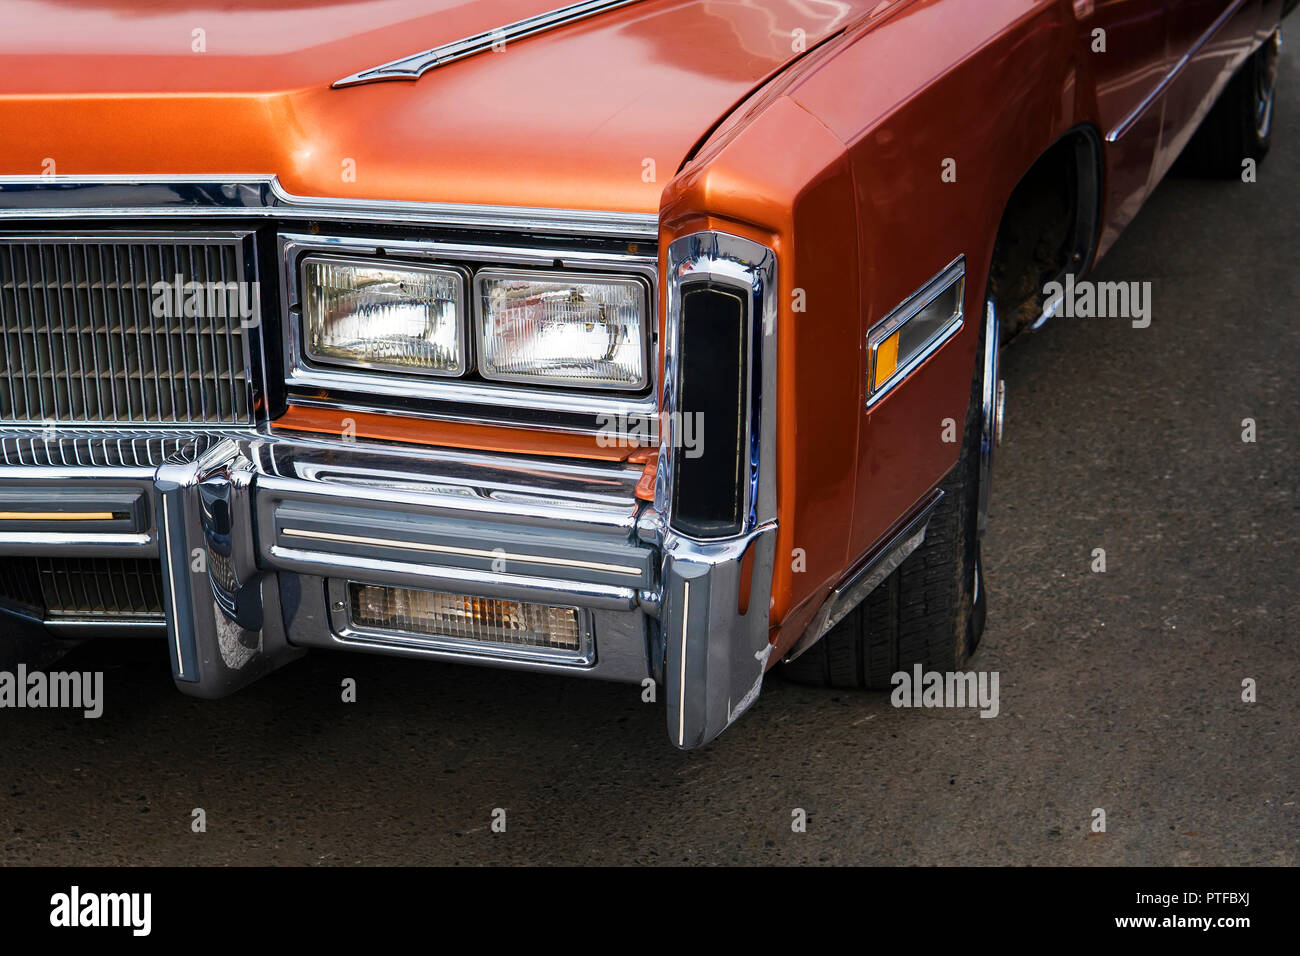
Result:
x=465 y=619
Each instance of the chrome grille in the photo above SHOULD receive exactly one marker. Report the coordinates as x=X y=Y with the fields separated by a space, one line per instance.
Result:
x=82 y=343
x=121 y=589
x=88 y=449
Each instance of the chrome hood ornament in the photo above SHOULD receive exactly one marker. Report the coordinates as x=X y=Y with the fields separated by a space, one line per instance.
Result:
x=414 y=66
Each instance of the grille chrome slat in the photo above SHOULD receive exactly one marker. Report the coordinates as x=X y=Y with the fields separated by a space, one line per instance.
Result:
x=81 y=344
x=79 y=449
x=110 y=589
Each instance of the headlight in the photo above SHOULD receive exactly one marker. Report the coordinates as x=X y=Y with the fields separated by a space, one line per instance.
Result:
x=561 y=329
x=398 y=317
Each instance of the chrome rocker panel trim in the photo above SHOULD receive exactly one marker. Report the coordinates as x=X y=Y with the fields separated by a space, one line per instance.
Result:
x=417 y=64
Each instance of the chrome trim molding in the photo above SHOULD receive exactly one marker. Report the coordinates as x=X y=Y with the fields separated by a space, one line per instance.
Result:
x=952 y=274
x=72 y=539
x=262 y=196
x=719 y=640
x=878 y=564
x=491 y=555
x=417 y=64
x=750 y=269
x=1128 y=122
x=992 y=396
x=95 y=626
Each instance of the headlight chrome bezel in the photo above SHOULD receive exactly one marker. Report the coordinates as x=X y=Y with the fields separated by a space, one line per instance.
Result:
x=472 y=397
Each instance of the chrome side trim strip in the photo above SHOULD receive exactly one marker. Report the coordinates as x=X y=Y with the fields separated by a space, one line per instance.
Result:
x=879 y=564
x=1129 y=121
x=417 y=64
x=262 y=196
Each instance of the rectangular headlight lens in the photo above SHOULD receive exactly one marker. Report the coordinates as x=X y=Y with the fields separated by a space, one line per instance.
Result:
x=401 y=318
x=562 y=329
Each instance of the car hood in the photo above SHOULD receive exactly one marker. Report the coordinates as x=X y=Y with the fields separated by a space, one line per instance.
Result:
x=597 y=114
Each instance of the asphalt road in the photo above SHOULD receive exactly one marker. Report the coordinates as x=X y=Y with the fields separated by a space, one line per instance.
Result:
x=1119 y=690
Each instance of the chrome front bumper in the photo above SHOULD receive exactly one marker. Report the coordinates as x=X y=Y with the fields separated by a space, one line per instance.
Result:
x=255 y=533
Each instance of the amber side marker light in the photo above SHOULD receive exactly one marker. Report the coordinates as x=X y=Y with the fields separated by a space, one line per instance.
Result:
x=905 y=338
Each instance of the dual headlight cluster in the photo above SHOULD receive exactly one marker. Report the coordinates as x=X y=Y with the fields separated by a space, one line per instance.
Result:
x=510 y=325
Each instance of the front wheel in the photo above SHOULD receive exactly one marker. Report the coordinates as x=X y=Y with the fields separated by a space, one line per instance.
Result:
x=930 y=610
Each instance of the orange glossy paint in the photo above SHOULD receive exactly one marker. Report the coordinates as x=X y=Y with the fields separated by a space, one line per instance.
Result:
x=424 y=431
x=596 y=115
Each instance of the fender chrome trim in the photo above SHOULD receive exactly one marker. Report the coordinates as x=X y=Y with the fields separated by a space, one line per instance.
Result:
x=417 y=64
x=878 y=564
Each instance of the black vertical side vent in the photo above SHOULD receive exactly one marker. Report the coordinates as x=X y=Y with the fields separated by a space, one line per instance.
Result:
x=711 y=469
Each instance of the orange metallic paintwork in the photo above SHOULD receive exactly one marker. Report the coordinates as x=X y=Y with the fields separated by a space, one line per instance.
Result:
x=421 y=431
x=873 y=115
x=832 y=158
x=566 y=119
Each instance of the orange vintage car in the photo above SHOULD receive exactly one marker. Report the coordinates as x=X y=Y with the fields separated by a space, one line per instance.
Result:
x=646 y=340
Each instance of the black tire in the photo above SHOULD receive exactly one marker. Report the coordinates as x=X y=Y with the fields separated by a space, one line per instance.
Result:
x=931 y=610
x=1240 y=124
